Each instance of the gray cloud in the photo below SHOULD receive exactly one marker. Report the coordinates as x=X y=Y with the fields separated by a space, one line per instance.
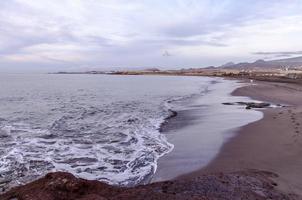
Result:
x=56 y=34
x=229 y=14
x=279 y=53
x=181 y=42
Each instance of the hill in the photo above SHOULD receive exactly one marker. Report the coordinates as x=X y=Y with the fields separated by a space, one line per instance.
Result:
x=290 y=63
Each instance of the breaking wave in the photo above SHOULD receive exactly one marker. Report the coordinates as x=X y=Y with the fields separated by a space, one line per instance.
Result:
x=118 y=142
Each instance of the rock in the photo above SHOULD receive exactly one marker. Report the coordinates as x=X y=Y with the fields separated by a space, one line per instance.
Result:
x=249 y=105
x=256 y=105
x=229 y=104
x=250 y=185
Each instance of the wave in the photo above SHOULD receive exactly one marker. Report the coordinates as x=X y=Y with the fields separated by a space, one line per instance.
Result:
x=118 y=143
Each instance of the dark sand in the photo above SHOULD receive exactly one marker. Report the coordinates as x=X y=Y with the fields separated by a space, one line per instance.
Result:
x=200 y=129
x=273 y=143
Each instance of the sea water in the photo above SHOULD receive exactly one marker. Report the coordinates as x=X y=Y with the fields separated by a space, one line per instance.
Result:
x=101 y=127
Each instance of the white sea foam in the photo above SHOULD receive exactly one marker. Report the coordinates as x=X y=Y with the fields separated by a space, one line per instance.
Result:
x=100 y=130
x=124 y=151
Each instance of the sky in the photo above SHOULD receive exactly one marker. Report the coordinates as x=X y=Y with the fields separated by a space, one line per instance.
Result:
x=77 y=35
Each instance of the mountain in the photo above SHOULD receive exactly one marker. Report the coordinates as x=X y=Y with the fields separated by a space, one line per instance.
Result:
x=291 y=63
x=228 y=64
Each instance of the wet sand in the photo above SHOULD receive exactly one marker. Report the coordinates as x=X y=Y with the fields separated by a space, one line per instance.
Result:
x=273 y=143
x=194 y=132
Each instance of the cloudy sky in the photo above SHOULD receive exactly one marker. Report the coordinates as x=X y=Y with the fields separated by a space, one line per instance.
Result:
x=51 y=35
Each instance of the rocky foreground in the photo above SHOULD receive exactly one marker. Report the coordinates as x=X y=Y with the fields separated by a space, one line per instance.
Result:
x=232 y=186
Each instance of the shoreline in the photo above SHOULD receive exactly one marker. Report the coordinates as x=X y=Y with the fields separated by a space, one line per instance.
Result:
x=237 y=172
x=273 y=143
x=194 y=132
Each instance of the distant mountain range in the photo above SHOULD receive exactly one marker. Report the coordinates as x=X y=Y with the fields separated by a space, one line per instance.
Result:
x=290 y=63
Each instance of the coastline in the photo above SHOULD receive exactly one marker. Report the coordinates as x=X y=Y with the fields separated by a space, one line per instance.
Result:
x=273 y=143
x=194 y=132
x=248 y=166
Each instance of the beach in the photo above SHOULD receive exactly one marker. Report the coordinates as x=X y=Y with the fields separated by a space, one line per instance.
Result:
x=260 y=160
x=272 y=144
x=152 y=100
x=201 y=127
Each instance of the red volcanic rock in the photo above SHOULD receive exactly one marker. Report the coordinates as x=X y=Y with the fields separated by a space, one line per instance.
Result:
x=240 y=185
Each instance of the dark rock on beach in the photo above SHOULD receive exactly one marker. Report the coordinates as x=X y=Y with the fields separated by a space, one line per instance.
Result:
x=257 y=105
x=231 y=186
x=250 y=105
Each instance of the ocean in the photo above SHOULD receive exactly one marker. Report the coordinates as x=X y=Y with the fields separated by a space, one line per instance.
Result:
x=98 y=127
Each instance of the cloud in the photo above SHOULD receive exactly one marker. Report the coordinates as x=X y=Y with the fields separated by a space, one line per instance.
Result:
x=279 y=53
x=57 y=34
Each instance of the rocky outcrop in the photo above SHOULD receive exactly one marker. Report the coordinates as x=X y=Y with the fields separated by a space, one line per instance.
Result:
x=250 y=105
x=232 y=186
